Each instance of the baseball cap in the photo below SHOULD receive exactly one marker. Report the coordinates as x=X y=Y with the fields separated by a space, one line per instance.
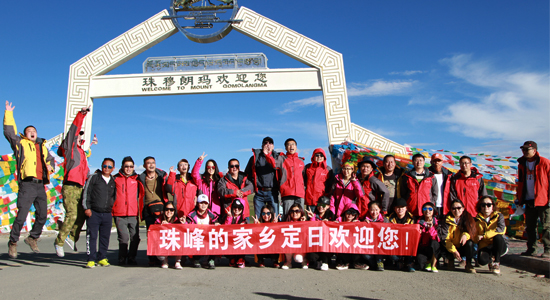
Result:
x=529 y=144
x=202 y=198
x=437 y=156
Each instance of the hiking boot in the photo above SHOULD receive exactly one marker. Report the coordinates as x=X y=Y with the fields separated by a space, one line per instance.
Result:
x=59 y=250
x=33 y=243
x=90 y=265
x=495 y=268
x=12 y=249
x=70 y=243
x=380 y=266
x=462 y=264
x=132 y=261
x=104 y=263
x=121 y=261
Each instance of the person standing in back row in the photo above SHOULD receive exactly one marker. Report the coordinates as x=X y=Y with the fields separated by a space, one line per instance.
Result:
x=291 y=177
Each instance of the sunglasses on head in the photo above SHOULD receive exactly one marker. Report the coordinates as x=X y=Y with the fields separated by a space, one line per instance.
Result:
x=234 y=166
x=108 y=167
x=266 y=213
x=210 y=167
x=457 y=208
x=428 y=208
x=486 y=204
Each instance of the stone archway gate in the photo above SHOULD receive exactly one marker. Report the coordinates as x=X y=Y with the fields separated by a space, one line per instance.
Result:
x=87 y=80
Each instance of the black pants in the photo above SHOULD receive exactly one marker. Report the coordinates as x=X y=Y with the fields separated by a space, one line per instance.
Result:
x=348 y=258
x=496 y=249
x=319 y=256
x=467 y=250
x=98 y=223
x=30 y=193
x=425 y=254
x=149 y=220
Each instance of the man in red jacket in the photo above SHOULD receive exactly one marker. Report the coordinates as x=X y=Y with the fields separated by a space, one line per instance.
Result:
x=467 y=185
x=418 y=186
x=291 y=179
x=76 y=171
x=533 y=191
x=128 y=206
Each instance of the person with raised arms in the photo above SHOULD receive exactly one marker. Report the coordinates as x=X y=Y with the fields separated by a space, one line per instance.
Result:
x=207 y=182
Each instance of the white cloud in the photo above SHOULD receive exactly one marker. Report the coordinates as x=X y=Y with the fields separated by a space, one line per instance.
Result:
x=370 y=88
x=379 y=88
x=515 y=105
x=408 y=72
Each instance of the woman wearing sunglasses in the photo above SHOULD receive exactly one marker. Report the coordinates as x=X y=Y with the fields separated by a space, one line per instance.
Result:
x=267 y=215
x=207 y=181
x=295 y=214
x=490 y=234
x=428 y=247
x=458 y=230
x=169 y=216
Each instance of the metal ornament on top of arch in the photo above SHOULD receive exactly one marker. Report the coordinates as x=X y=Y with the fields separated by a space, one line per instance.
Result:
x=155 y=29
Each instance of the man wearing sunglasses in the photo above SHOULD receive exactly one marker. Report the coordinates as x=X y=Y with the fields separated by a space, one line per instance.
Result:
x=261 y=169
x=234 y=184
x=76 y=171
x=34 y=163
x=98 y=199
x=467 y=185
x=533 y=192
x=128 y=206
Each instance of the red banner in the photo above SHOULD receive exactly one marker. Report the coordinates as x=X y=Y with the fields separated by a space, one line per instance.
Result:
x=284 y=237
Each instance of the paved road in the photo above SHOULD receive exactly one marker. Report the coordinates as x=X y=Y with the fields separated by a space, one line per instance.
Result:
x=44 y=275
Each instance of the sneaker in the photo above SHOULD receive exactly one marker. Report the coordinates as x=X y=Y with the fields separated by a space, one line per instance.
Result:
x=164 y=264
x=285 y=266
x=410 y=269
x=341 y=267
x=428 y=268
x=240 y=263
x=90 y=265
x=12 y=249
x=434 y=269
x=70 y=243
x=196 y=264
x=104 y=263
x=470 y=269
x=361 y=267
x=298 y=258
x=305 y=266
x=261 y=265
x=59 y=250
x=529 y=253
x=33 y=243
x=495 y=268
x=132 y=261
x=178 y=266
x=324 y=267
x=380 y=266
x=232 y=263
x=75 y=250
x=212 y=265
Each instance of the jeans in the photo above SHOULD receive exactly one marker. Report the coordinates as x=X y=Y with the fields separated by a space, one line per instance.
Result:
x=262 y=198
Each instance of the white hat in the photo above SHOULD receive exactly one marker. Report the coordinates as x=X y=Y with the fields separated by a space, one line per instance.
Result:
x=202 y=198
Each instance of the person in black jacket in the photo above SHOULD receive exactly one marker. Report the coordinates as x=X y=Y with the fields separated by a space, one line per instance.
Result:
x=98 y=199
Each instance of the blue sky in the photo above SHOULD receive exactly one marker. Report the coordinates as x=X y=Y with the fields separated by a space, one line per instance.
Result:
x=468 y=75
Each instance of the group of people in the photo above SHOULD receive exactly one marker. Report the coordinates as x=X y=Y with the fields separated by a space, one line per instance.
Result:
x=458 y=220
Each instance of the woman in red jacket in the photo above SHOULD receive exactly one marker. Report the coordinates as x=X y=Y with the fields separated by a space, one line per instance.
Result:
x=184 y=189
x=318 y=178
